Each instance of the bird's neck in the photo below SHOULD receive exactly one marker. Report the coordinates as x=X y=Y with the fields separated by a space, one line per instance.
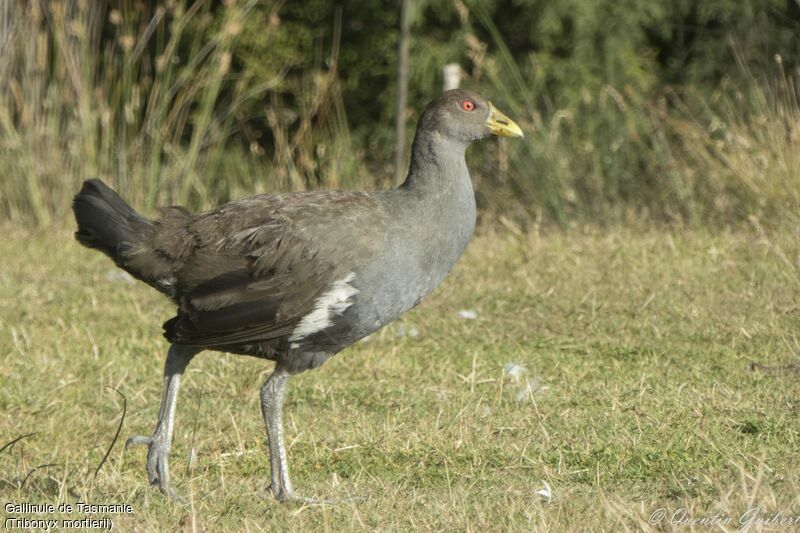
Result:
x=437 y=166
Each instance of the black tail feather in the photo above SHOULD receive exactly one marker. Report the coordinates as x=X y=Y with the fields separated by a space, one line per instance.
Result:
x=106 y=222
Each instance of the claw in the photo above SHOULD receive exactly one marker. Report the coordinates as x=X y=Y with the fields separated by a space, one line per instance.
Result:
x=157 y=463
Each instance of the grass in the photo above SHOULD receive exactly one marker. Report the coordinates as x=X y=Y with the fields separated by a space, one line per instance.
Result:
x=637 y=345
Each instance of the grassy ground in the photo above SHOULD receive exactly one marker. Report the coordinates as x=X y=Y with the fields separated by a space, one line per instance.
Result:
x=636 y=397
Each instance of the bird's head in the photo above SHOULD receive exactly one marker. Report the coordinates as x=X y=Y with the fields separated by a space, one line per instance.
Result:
x=465 y=116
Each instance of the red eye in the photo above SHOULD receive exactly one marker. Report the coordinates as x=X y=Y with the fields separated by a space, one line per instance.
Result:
x=468 y=105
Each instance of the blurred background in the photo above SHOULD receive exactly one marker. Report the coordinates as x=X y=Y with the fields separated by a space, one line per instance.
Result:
x=678 y=113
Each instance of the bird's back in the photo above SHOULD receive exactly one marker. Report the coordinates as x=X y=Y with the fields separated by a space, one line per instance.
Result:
x=248 y=272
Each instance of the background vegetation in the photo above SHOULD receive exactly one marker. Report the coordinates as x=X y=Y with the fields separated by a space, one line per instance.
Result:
x=672 y=112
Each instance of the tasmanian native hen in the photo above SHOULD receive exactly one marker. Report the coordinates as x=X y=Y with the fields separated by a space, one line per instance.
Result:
x=296 y=278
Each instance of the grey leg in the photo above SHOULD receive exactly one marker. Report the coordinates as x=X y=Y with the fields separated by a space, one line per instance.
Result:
x=273 y=393
x=159 y=444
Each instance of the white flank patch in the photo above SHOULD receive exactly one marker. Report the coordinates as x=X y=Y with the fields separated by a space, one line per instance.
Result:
x=332 y=303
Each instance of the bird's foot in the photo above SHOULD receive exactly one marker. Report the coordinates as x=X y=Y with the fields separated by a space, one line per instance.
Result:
x=158 y=449
x=284 y=496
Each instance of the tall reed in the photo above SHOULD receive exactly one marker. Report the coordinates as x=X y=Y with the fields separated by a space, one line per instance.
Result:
x=673 y=155
x=150 y=108
x=152 y=99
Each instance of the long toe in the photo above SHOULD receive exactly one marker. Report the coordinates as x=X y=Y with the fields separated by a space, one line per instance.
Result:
x=157 y=471
x=158 y=468
x=292 y=497
x=326 y=501
x=138 y=440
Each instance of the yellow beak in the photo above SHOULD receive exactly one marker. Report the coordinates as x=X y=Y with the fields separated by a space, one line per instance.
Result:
x=501 y=125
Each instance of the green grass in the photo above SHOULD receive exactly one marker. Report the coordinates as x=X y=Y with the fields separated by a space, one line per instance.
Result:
x=640 y=342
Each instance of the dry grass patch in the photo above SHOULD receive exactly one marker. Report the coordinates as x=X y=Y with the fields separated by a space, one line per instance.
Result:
x=636 y=393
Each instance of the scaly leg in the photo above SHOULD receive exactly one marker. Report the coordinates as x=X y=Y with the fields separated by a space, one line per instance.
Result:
x=273 y=393
x=159 y=444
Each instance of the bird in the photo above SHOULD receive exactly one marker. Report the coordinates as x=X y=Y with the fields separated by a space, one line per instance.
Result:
x=296 y=277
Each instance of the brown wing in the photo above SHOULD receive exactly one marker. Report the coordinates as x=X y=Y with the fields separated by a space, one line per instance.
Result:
x=258 y=266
